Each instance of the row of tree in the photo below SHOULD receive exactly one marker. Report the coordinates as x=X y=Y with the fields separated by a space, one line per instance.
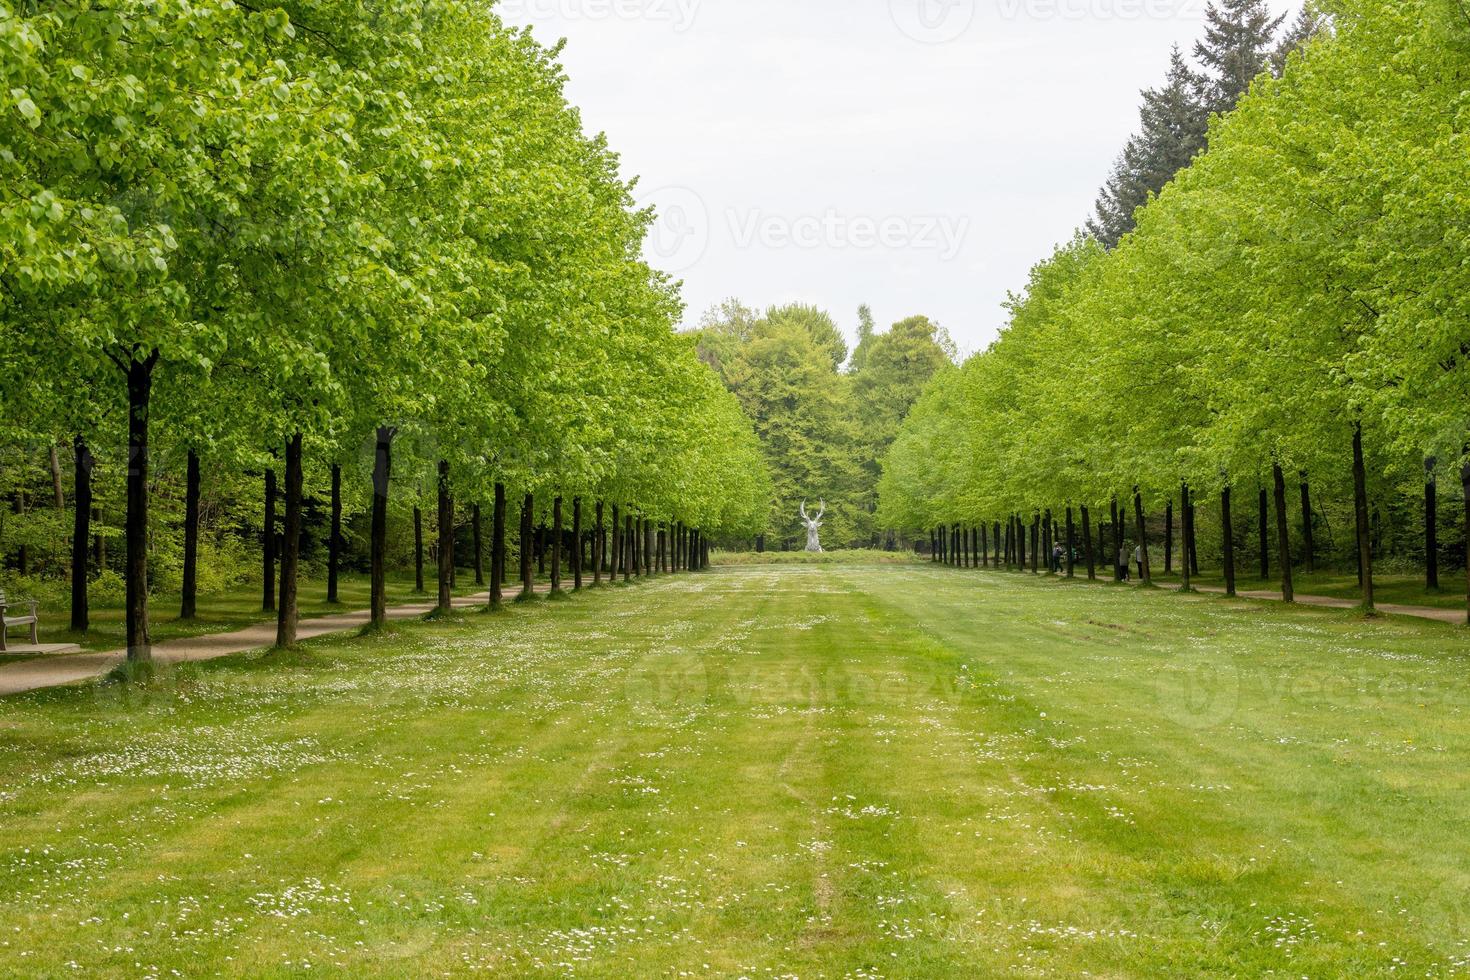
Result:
x=1291 y=307
x=336 y=238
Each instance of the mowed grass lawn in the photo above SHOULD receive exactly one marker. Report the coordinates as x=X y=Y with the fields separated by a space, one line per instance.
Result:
x=773 y=771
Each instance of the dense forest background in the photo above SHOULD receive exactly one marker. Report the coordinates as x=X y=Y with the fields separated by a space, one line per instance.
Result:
x=825 y=414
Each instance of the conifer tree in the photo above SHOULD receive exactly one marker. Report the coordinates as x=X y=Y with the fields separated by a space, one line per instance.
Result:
x=1172 y=121
x=1237 y=46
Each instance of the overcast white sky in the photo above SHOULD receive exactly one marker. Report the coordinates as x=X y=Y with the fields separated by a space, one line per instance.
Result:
x=916 y=155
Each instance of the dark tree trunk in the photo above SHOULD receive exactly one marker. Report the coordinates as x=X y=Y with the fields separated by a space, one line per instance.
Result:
x=1169 y=538
x=598 y=545
x=1119 y=559
x=334 y=541
x=1046 y=541
x=477 y=533
x=140 y=395
x=933 y=547
x=1071 y=544
x=648 y=567
x=1191 y=546
x=577 y=543
x=616 y=538
x=497 y=547
x=1035 y=544
x=556 y=531
x=1360 y=509
x=1311 y=555
x=1265 y=545
x=1146 y=572
x=290 y=547
x=999 y=547
x=81 y=530
x=1087 y=544
x=1431 y=526
x=268 y=545
x=1186 y=570
x=189 y=605
x=528 y=533
x=540 y=546
x=446 y=540
x=1283 y=534
x=628 y=557
x=418 y=549
x=1227 y=525
x=378 y=551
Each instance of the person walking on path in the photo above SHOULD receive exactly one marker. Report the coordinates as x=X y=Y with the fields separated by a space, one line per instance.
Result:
x=1124 y=573
x=1138 y=560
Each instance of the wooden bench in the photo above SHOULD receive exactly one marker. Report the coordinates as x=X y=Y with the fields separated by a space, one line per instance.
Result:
x=7 y=620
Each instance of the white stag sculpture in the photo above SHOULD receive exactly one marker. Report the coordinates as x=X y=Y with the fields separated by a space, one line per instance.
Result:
x=813 y=525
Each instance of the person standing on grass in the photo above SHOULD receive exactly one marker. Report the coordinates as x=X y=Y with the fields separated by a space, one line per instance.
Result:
x=1138 y=560
x=1123 y=571
x=1056 y=559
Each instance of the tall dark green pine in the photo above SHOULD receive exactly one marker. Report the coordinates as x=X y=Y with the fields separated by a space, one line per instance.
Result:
x=1173 y=122
x=1308 y=24
x=1238 y=45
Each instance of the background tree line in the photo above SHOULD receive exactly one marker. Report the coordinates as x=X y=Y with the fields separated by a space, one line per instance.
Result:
x=1278 y=348
x=825 y=415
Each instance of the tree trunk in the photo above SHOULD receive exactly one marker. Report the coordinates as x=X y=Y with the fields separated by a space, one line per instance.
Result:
x=541 y=549
x=556 y=542
x=1186 y=534
x=616 y=538
x=140 y=395
x=1227 y=525
x=1169 y=538
x=80 y=532
x=477 y=533
x=1191 y=539
x=1119 y=558
x=290 y=547
x=1431 y=526
x=1360 y=508
x=418 y=549
x=577 y=544
x=528 y=582
x=58 y=496
x=334 y=540
x=597 y=545
x=188 y=605
x=497 y=547
x=1087 y=544
x=446 y=541
x=1311 y=555
x=1283 y=534
x=1035 y=544
x=378 y=550
x=1071 y=544
x=627 y=547
x=1265 y=522
x=1046 y=541
x=268 y=545
x=648 y=567
x=1147 y=572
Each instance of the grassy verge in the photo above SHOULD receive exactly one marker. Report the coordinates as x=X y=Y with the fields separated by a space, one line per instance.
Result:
x=220 y=613
x=837 y=771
